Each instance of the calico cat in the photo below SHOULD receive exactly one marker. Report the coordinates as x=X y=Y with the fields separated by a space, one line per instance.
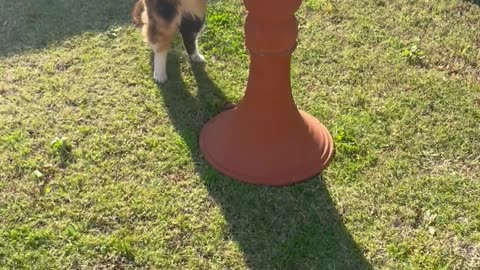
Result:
x=161 y=20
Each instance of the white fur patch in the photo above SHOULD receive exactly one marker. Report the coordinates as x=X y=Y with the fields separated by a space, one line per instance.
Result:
x=197 y=57
x=160 y=67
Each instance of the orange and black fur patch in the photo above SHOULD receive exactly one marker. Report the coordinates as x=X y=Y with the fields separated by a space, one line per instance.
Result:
x=161 y=20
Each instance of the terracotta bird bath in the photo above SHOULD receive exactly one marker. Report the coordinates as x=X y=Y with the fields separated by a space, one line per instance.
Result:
x=266 y=140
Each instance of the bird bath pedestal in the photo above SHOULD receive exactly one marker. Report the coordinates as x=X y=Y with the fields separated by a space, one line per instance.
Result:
x=266 y=140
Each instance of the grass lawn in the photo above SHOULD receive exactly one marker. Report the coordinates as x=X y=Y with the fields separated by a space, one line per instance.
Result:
x=100 y=168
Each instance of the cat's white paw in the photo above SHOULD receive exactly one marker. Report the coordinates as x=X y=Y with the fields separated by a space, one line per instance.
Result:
x=160 y=77
x=196 y=57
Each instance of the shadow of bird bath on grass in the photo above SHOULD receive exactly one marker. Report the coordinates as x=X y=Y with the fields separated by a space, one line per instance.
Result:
x=294 y=227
